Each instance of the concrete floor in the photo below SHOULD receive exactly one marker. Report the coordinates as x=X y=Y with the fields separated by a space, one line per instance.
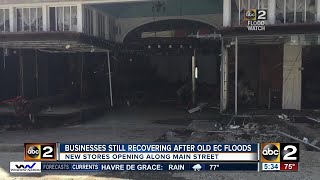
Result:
x=131 y=125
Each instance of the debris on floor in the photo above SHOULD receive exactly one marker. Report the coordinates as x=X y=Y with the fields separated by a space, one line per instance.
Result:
x=284 y=117
x=172 y=137
x=199 y=107
x=304 y=141
x=234 y=126
x=251 y=126
x=313 y=119
x=315 y=141
x=198 y=137
x=203 y=125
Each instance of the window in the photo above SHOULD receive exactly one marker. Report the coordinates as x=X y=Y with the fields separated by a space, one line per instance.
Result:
x=295 y=11
x=88 y=21
x=101 y=26
x=63 y=18
x=4 y=20
x=29 y=19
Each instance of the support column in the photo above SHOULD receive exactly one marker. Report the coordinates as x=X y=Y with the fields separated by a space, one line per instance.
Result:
x=5 y=51
x=107 y=30
x=318 y=10
x=224 y=78
x=80 y=17
x=110 y=79
x=21 y=73
x=95 y=23
x=236 y=77
x=81 y=79
x=272 y=11
x=226 y=13
x=45 y=20
x=12 y=19
x=37 y=73
x=194 y=78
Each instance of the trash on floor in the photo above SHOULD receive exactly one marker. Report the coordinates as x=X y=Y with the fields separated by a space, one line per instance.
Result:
x=251 y=126
x=284 y=117
x=198 y=108
x=203 y=125
x=305 y=140
x=234 y=126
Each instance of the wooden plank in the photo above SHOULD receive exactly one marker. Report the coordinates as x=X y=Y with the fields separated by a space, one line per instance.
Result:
x=297 y=139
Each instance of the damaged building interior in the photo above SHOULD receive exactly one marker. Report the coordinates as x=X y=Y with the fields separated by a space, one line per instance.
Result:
x=171 y=70
x=159 y=69
x=164 y=57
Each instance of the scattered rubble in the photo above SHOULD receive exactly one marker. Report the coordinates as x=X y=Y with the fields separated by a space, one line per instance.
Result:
x=315 y=141
x=203 y=125
x=198 y=108
x=198 y=137
x=305 y=141
x=234 y=126
x=172 y=137
x=313 y=119
x=284 y=117
x=250 y=128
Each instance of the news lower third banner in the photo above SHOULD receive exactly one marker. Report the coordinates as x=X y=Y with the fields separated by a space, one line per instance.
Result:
x=96 y=167
x=158 y=152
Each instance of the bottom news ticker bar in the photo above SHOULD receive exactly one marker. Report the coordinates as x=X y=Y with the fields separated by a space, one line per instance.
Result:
x=149 y=166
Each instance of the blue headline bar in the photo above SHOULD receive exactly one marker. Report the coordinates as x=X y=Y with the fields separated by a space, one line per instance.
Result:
x=94 y=167
x=125 y=148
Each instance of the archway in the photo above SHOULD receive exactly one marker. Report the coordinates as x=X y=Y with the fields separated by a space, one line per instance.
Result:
x=161 y=70
x=179 y=27
x=127 y=25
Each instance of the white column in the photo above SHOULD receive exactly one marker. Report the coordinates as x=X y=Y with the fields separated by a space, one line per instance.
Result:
x=224 y=77
x=226 y=13
x=45 y=18
x=110 y=79
x=318 y=16
x=318 y=10
x=193 y=70
x=95 y=23
x=12 y=19
x=272 y=11
x=80 y=17
x=236 y=77
x=106 y=23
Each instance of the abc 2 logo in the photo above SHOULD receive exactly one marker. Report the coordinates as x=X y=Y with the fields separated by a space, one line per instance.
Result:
x=255 y=15
x=279 y=152
x=40 y=151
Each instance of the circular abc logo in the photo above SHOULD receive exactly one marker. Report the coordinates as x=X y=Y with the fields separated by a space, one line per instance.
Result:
x=33 y=151
x=250 y=14
x=270 y=152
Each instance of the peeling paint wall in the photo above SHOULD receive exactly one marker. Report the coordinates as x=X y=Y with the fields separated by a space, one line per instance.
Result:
x=292 y=61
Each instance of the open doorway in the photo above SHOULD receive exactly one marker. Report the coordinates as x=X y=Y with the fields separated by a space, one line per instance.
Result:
x=161 y=71
x=311 y=77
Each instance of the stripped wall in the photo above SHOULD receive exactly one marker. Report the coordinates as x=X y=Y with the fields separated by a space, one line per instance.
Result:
x=292 y=61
